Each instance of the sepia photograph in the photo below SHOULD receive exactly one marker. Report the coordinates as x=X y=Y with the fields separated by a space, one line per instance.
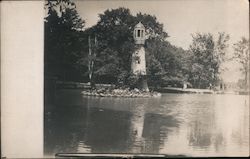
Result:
x=145 y=77
x=125 y=78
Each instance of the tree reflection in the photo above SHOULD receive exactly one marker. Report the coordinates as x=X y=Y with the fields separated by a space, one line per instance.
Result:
x=92 y=127
x=108 y=131
x=62 y=127
x=241 y=132
x=200 y=134
x=155 y=130
x=138 y=125
x=202 y=124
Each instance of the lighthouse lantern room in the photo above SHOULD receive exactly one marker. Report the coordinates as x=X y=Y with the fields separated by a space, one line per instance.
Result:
x=139 y=34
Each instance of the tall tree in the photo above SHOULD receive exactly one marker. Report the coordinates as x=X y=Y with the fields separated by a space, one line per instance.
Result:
x=241 y=54
x=114 y=32
x=114 y=36
x=221 y=46
x=207 y=57
x=164 y=63
x=63 y=42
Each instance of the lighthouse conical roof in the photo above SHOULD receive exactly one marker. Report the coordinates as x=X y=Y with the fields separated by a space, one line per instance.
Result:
x=140 y=25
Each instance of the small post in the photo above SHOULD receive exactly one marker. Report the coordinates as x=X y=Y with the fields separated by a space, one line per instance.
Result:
x=89 y=66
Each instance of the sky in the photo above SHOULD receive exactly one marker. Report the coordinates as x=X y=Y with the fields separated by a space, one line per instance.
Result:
x=182 y=18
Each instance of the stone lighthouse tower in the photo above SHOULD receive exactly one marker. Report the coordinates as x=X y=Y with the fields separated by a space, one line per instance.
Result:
x=138 y=64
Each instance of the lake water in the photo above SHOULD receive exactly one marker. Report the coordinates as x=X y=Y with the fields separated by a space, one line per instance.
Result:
x=174 y=124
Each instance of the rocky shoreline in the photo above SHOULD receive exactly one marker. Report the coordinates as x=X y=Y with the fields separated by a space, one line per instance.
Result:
x=134 y=93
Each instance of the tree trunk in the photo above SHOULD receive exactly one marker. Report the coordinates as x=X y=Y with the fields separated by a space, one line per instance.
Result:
x=199 y=83
x=246 y=80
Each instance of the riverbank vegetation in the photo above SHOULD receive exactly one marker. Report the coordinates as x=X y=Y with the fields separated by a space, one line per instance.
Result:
x=102 y=53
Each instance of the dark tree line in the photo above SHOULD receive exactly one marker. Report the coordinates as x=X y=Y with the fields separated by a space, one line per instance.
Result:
x=67 y=45
x=63 y=40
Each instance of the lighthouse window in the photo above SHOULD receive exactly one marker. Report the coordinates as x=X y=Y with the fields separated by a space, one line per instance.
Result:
x=142 y=33
x=138 y=33
x=138 y=61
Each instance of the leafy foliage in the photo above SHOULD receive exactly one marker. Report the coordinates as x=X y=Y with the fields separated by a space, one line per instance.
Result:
x=63 y=42
x=207 y=57
x=241 y=54
x=114 y=32
x=111 y=40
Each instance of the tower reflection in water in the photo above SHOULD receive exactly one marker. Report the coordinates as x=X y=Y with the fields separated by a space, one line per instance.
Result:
x=99 y=127
x=195 y=125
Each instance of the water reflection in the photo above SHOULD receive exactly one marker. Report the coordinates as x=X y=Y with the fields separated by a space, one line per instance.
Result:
x=201 y=126
x=196 y=125
x=156 y=128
